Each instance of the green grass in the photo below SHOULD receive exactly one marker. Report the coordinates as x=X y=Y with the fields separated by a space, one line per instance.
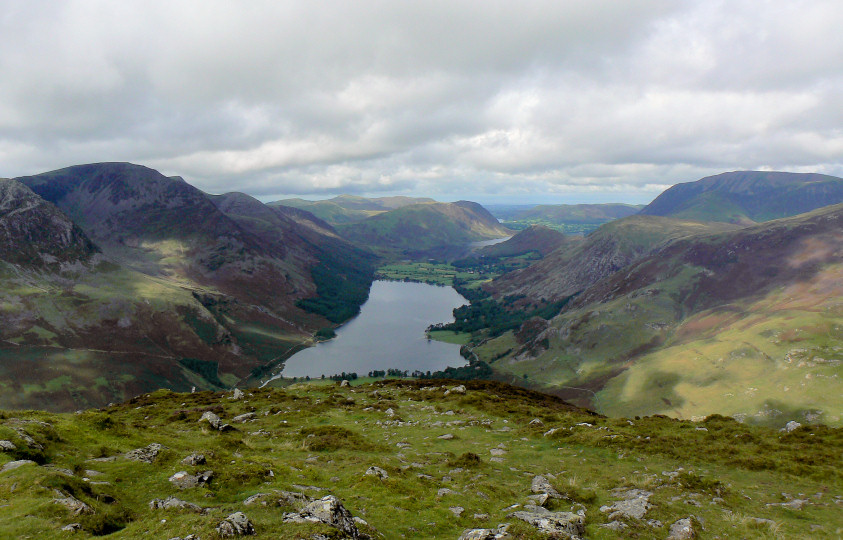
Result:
x=326 y=436
x=447 y=336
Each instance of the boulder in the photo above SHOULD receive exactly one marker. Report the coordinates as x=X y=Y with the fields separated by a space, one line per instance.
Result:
x=561 y=524
x=541 y=485
x=194 y=459
x=214 y=420
x=683 y=530
x=7 y=446
x=455 y=390
x=146 y=454
x=343 y=383
x=457 y=510
x=377 y=471
x=183 y=480
x=237 y=524
x=240 y=419
x=12 y=465
x=792 y=425
x=73 y=527
x=634 y=505
x=173 y=502
x=237 y=395
x=76 y=507
x=486 y=534
x=328 y=510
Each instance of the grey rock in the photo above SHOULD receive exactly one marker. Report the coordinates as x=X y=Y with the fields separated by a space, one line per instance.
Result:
x=294 y=498
x=497 y=451
x=377 y=471
x=536 y=422
x=328 y=510
x=683 y=529
x=485 y=534
x=237 y=524
x=237 y=394
x=242 y=418
x=12 y=465
x=73 y=527
x=173 y=503
x=343 y=383
x=76 y=507
x=214 y=420
x=455 y=390
x=8 y=446
x=563 y=524
x=792 y=425
x=446 y=437
x=457 y=510
x=194 y=459
x=795 y=504
x=541 y=484
x=540 y=499
x=616 y=526
x=634 y=505
x=762 y=521
x=184 y=480
x=146 y=454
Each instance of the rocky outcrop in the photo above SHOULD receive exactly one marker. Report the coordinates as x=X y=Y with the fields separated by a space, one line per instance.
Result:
x=237 y=524
x=683 y=529
x=562 y=524
x=184 y=480
x=146 y=454
x=12 y=465
x=633 y=505
x=328 y=510
x=378 y=472
x=486 y=534
x=173 y=503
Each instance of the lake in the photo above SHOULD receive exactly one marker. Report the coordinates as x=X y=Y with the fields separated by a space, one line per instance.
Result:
x=388 y=333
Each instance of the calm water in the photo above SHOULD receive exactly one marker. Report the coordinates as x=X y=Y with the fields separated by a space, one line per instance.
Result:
x=388 y=333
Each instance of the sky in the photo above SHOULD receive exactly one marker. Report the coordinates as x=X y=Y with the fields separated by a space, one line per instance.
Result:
x=498 y=102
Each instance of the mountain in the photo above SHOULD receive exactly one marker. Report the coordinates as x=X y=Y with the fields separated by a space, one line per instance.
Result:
x=425 y=229
x=534 y=239
x=574 y=267
x=748 y=196
x=400 y=458
x=741 y=322
x=34 y=233
x=144 y=282
x=350 y=208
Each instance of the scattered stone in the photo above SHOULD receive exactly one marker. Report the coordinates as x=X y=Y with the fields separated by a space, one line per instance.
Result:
x=194 y=459
x=237 y=524
x=536 y=422
x=654 y=523
x=73 y=527
x=486 y=534
x=8 y=446
x=762 y=521
x=183 y=480
x=76 y=507
x=445 y=491
x=446 y=437
x=457 y=510
x=389 y=412
x=211 y=418
x=377 y=471
x=792 y=425
x=616 y=526
x=540 y=499
x=795 y=504
x=564 y=524
x=634 y=505
x=12 y=465
x=242 y=418
x=455 y=390
x=343 y=383
x=481 y=516
x=146 y=454
x=173 y=502
x=541 y=485
x=294 y=498
x=237 y=395
x=497 y=451
x=328 y=510
x=683 y=530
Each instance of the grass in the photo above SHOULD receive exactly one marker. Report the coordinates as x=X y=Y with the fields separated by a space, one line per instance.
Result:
x=447 y=336
x=324 y=436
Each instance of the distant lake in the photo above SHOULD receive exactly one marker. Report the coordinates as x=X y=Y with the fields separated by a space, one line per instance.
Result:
x=388 y=333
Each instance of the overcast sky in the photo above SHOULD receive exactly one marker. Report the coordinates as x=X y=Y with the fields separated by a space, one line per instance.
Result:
x=559 y=101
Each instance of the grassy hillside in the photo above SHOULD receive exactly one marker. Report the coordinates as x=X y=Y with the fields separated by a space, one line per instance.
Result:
x=410 y=461
x=742 y=323
x=349 y=208
x=567 y=218
x=747 y=196
x=536 y=239
x=420 y=230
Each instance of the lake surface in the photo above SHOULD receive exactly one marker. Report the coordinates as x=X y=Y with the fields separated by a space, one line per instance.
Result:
x=388 y=333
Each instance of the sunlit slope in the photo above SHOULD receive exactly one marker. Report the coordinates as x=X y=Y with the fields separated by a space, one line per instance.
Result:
x=744 y=322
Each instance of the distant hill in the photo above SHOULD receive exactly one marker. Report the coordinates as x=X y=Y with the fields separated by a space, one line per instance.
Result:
x=127 y=280
x=738 y=322
x=350 y=208
x=574 y=267
x=567 y=218
x=748 y=196
x=424 y=229
x=534 y=239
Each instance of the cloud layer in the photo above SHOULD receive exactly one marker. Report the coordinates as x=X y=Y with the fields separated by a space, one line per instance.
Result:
x=496 y=101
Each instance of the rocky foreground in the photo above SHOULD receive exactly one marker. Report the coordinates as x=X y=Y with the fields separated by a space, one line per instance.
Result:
x=408 y=459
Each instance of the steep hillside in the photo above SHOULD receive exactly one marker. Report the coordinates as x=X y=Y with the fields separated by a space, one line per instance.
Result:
x=743 y=323
x=534 y=239
x=746 y=196
x=182 y=295
x=567 y=218
x=420 y=230
x=349 y=208
x=575 y=266
x=414 y=459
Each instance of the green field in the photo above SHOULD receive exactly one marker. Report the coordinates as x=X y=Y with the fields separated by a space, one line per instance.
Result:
x=432 y=273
